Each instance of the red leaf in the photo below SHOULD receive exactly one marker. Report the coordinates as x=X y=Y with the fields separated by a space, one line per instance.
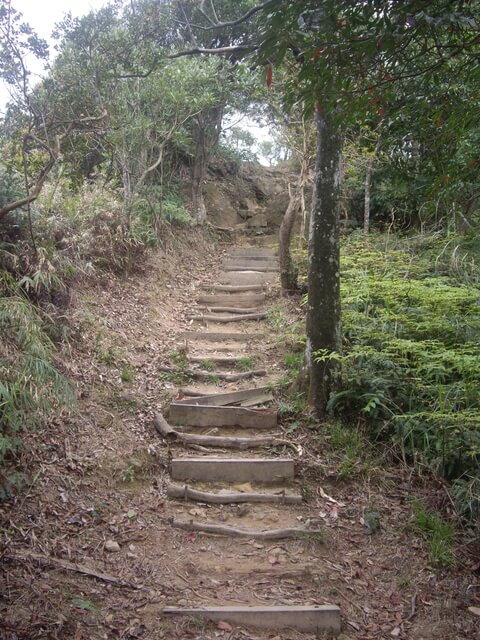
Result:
x=191 y=537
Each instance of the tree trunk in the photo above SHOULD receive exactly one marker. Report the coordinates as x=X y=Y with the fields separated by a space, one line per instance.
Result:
x=209 y=126
x=323 y=311
x=288 y=273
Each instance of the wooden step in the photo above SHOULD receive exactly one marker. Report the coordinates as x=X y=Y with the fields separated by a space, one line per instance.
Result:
x=241 y=266
x=206 y=440
x=257 y=395
x=241 y=317
x=252 y=258
x=238 y=310
x=253 y=251
x=213 y=336
x=194 y=415
x=318 y=619
x=251 y=277
x=210 y=469
x=184 y=492
x=217 y=359
x=231 y=288
x=253 y=263
x=233 y=300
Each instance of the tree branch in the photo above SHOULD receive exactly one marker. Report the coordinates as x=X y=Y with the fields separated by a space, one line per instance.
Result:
x=218 y=51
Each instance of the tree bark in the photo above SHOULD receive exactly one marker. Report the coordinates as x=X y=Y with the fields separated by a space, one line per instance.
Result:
x=323 y=312
x=208 y=129
x=288 y=273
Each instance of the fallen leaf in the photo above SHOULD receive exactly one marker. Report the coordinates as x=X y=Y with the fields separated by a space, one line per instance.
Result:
x=395 y=632
x=112 y=546
x=225 y=626
x=245 y=487
x=191 y=537
x=475 y=611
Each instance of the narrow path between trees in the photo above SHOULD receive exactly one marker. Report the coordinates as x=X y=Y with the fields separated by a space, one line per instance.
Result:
x=125 y=516
x=227 y=422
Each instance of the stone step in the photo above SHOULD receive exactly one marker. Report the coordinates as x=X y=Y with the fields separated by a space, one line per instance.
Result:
x=305 y=619
x=224 y=496
x=233 y=300
x=214 y=469
x=218 y=336
x=194 y=415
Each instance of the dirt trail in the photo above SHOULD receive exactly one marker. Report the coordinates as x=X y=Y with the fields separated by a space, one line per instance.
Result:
x=89 y=550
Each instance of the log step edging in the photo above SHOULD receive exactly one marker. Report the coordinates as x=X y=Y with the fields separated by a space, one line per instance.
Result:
x=260 y=394
x=211 y=469
x=242 y=268
x=305 y=619
x=185 y=492
x=220 y=529
x=239 y=300
x=233 y=288
x=211 y=317
x=212 y=336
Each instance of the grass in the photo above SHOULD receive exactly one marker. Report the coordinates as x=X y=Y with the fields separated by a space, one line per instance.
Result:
x=127 y=374
x=352 y=450
x=247 y=363
x=438 y=533
x=207 y=365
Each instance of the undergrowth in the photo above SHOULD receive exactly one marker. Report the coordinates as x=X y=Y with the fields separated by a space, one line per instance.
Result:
x=438 y=533
x=30 y=385
x=410 y=363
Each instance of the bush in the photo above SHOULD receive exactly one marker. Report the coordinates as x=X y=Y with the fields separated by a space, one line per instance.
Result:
x=30 y=385
x=410 y=364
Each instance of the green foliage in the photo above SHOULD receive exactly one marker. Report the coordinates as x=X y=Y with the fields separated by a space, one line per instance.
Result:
x=127 y=374
x=410 y=364
x=207 y=365
x=438 y=532
x=246 y=363
x=30 y=385
x=351 y=449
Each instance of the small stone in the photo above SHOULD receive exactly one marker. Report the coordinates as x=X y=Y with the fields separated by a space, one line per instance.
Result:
x=395 y=632
x=112 y=546
x=475 y=611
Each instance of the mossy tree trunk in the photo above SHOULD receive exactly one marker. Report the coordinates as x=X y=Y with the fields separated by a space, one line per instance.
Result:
x=323 y=312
